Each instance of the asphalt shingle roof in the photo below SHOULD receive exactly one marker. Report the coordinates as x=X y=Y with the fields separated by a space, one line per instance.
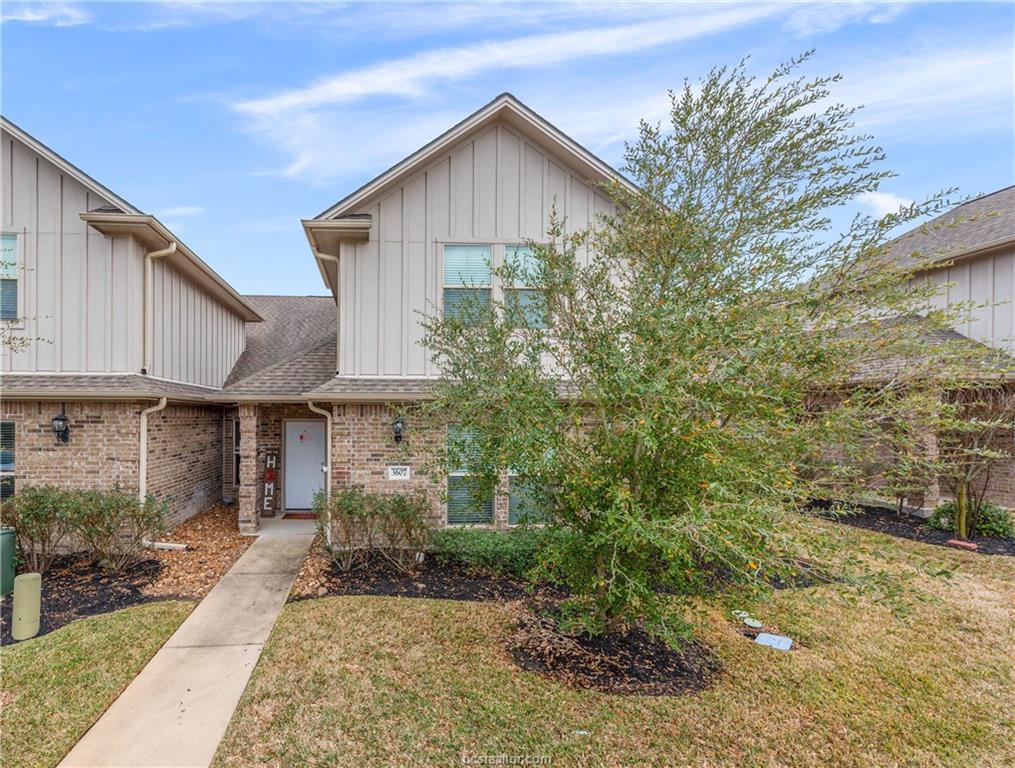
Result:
x=983 y=221
x=292 y=326
x=95 y=385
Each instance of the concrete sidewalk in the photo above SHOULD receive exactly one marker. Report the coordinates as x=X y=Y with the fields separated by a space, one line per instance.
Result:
x=176 y=710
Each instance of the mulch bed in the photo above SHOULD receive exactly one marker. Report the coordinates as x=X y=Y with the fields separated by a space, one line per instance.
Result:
x=884 y=520
x=320 y=577
x=75 y=587
x=627 y=663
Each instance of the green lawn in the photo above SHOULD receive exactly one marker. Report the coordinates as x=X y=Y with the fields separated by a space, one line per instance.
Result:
x=52 y=688
x=369 y=681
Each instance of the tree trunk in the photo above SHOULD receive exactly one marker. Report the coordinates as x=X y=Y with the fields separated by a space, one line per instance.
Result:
x=962 y=511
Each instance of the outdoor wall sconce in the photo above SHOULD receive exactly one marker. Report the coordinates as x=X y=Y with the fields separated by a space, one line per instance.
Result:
x=398 y=425
x=61 y=427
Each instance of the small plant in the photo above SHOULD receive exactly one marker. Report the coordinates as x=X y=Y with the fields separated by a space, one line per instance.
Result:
x=993 y=520
x=39 y=518
x=114 y=525
x=353 y=525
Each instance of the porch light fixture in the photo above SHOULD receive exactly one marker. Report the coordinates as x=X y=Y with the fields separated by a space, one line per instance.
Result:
x=61 y=426
x=398 y=425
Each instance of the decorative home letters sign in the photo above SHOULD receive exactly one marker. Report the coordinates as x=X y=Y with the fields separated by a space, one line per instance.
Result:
x=399 y=473
x=270 y=480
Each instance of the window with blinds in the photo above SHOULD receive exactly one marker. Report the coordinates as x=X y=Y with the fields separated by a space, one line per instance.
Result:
x=463 y=506
x=6 y=459
x=523 y=503
x=467 y=280
x=8 y=277
x=524 y=304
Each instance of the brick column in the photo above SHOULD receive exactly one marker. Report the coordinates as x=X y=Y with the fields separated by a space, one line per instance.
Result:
x=246 y=503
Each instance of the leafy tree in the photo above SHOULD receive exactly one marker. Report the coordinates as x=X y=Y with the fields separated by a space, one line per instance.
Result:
x=975 y=430
x=692 y=368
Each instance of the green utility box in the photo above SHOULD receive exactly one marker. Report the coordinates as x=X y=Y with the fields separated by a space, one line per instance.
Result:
x=6 y=560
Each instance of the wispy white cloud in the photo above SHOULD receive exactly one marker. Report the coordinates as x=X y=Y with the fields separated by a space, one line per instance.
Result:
x=52 y=14
x=883 y=203
x=312 y=122
x=413 y=75
x=180 y=210
x=808 y=19
x=934 y=89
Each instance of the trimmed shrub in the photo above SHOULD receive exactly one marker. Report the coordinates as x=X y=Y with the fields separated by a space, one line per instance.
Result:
x=39 y=517
x=511 y=553
x=364 y=525
x=994 y=521
x=114 y=525
x=404 y=528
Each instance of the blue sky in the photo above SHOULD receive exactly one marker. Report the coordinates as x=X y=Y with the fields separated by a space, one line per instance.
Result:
x=231 y=121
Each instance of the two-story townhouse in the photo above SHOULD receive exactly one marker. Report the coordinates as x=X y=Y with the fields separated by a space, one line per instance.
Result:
x=117 y=334
x=170 y=382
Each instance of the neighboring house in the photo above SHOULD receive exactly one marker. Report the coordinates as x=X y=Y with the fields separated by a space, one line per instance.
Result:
x=262 y=399
x=969 y=252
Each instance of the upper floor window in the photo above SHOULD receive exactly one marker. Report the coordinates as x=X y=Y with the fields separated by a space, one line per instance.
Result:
x=8 y=277
x=523 y=303
x=467 y=279
x=6 y=460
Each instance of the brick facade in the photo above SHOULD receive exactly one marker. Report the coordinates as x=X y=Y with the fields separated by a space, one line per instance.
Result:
x=184 y=466
x=184 y=449
x=102 y=450
x=362 y=449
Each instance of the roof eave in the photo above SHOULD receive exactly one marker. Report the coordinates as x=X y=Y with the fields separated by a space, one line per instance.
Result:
x=153 y=234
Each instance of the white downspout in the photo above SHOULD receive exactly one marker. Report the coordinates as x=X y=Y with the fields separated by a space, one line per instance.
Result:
x=149 y=309
x=338 y=303
x=327 y=464
x=142 y=461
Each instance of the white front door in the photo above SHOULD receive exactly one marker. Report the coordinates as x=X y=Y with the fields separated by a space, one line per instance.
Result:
x=304 y=463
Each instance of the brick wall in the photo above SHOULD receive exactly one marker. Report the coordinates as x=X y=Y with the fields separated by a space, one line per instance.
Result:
x=230 y=481
x=102 y=450
x=185 y=458
x=363 y=447
x=184 y=449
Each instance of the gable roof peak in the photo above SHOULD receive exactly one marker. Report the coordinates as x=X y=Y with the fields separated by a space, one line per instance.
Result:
x=517 y=115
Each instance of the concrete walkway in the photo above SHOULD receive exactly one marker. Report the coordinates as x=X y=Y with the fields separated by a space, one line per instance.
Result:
x=177 y=709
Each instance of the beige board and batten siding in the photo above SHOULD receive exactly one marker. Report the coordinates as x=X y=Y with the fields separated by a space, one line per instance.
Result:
x=80 y=292
x=988 y=282
x=196 y=339
x=77 y=289
x=497 y=187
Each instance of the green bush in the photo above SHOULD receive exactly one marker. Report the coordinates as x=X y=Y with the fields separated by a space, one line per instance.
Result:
x=511 y=553
x=114 y=525
x=994 y=521
x=363 y=525
x=39 y=517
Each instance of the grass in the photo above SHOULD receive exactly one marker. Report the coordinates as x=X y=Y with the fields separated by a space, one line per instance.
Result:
x=377 y=681
x=52 y=688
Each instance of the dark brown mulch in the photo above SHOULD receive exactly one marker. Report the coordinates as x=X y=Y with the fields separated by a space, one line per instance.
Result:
x=628 y=663
x=884 y=520
x=74 y=588
x=320 y=577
